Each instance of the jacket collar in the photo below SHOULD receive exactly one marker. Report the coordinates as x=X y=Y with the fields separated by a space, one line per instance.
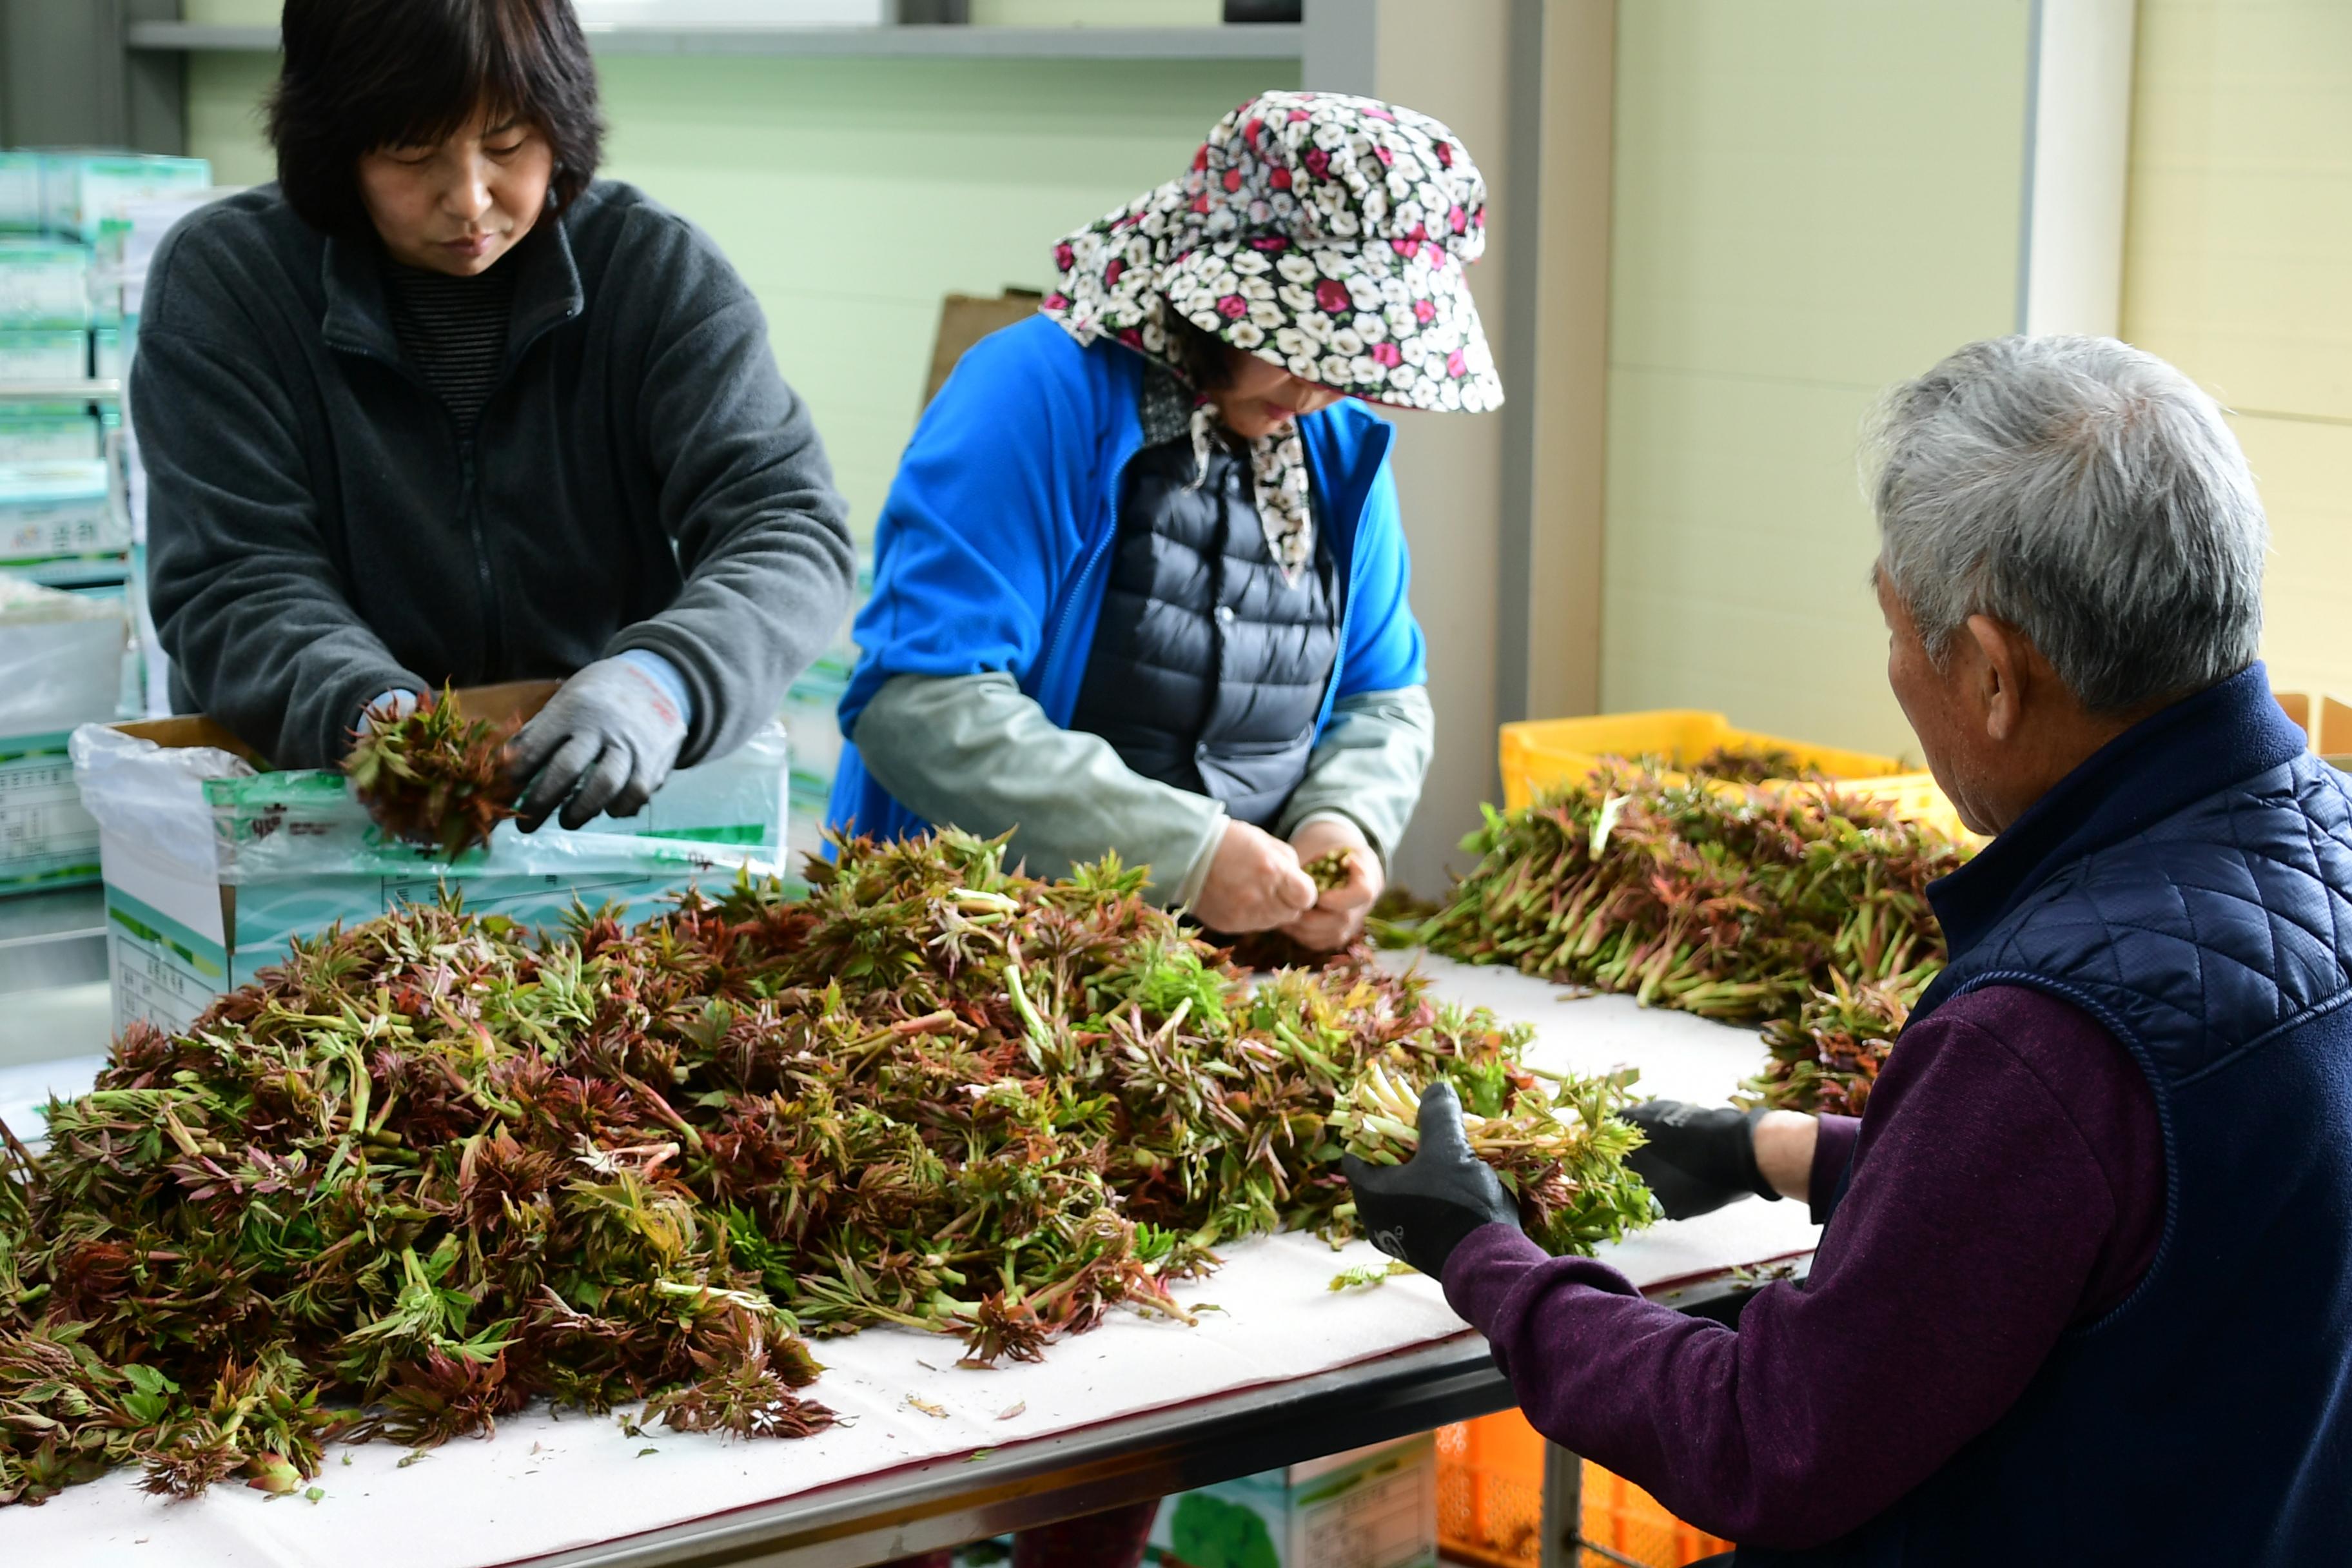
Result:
x=2196 y=748
x=359 y=321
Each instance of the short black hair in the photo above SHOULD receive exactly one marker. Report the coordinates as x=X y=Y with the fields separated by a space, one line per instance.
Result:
x=1200 y=352
x=361 y=75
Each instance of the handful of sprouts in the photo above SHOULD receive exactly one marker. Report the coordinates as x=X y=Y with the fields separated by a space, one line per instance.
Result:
x=1555 y=1142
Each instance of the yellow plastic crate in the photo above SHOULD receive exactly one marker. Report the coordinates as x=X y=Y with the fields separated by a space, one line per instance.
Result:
x=1546 y=753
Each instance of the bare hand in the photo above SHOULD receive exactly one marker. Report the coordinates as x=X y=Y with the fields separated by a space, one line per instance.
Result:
x=1337 y=917
x=1254 y=883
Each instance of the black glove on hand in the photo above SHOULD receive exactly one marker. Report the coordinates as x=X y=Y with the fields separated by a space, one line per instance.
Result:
x=1421 y=1210
x=603 y=744
x=1699 y=1158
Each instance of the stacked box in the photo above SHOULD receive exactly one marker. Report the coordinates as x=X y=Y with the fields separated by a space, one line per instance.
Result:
x=212 y=870
x=1370 y=1508
x=61 y=663
x=20 y=193
x=57 y=510
x=80 y=190
x=35 y=355
x=109 y=353
x=78 y=228
x=44 y=283
x=50 y=433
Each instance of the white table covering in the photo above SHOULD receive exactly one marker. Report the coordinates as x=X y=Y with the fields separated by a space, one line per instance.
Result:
x=547 y=1484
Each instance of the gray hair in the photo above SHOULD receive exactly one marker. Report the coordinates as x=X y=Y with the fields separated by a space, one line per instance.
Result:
x=2088 y=495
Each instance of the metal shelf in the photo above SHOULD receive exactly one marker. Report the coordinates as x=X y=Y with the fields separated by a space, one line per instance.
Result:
x=1263 y=41
x=107 y=390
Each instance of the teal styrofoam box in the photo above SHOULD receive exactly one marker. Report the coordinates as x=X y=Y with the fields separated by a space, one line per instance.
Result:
x=46 y=839
x=212 y=870
x=109 y=357
x=49 y=433
x=1367 y=1508
x=107 y=271
x=60 y=665
x=79 y=191
x=103 y=573
x=44 y=283
x=49 y=509
x=20 y=193
x=29 y=355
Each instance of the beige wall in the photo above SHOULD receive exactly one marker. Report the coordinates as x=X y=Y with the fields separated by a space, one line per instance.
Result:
x=2239 y=270
x=1454 y=62
x=1812 y=198
x=1569 y=379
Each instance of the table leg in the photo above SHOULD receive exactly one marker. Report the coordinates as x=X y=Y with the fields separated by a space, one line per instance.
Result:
x=1563 y=1508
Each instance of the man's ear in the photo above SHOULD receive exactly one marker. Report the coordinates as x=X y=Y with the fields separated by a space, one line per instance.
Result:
x=2001 y=677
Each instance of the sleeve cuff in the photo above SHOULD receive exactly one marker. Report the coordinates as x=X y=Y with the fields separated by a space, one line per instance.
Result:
x=1187 y=891
x=664 y=674
x=1834 y=1145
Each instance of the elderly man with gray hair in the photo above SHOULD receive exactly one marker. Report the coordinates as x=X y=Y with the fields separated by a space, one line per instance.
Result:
x=2085 y=1289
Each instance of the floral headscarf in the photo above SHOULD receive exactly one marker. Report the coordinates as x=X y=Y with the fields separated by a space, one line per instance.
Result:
x=1322 y=233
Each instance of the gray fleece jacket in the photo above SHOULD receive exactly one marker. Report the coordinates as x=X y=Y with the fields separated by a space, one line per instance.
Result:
x=320 y=531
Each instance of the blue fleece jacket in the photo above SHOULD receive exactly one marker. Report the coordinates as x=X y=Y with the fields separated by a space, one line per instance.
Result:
x=995 y=545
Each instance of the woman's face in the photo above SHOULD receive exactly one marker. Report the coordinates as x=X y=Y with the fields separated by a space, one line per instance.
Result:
x=459 y=206
x=1260 y=397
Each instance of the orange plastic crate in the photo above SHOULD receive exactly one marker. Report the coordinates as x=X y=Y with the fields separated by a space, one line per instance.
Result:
x=1629 y=1521
x=1490 y=1504
x=1490 y=1491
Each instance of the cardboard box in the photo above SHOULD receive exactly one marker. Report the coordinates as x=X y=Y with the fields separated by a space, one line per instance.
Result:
x=209 y=878
x=1370 y=1508
x=965 y=320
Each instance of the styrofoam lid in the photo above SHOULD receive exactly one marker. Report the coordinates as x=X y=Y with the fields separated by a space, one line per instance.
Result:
x=24 y=604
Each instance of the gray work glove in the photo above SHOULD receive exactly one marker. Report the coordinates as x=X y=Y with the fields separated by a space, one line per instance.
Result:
x=1698 y=1157
x=1420 y=1211
x=602 y=745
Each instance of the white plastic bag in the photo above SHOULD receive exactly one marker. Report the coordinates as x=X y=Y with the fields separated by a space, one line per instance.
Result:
x=61 y=657
x=153 y=796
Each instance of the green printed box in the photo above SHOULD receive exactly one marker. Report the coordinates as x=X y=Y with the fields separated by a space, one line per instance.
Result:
x=46 y=839
x=30 y=357
x=49 y=510
x=49 y=433
x=44 y=283
x=1368 y=1508
x=213 y=869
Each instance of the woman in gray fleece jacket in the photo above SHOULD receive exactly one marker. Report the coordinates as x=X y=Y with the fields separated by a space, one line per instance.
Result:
x=438 y=405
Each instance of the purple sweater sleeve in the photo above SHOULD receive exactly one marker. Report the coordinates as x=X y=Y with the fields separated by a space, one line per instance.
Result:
x=2008 y=1182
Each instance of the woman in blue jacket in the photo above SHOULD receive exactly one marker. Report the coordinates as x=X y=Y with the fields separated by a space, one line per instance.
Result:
x=1140 y=584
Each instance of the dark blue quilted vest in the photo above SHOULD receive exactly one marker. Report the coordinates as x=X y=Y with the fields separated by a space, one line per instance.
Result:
x=1208 y=669
x=2190 y=887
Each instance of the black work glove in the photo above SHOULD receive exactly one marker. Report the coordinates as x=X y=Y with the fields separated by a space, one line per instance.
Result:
x=1421 y=1210
x=1698 y=1157
x=605 y=742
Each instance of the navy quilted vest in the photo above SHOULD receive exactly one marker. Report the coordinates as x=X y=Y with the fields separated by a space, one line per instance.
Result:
x=2191 y=886
x=1208 y=670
